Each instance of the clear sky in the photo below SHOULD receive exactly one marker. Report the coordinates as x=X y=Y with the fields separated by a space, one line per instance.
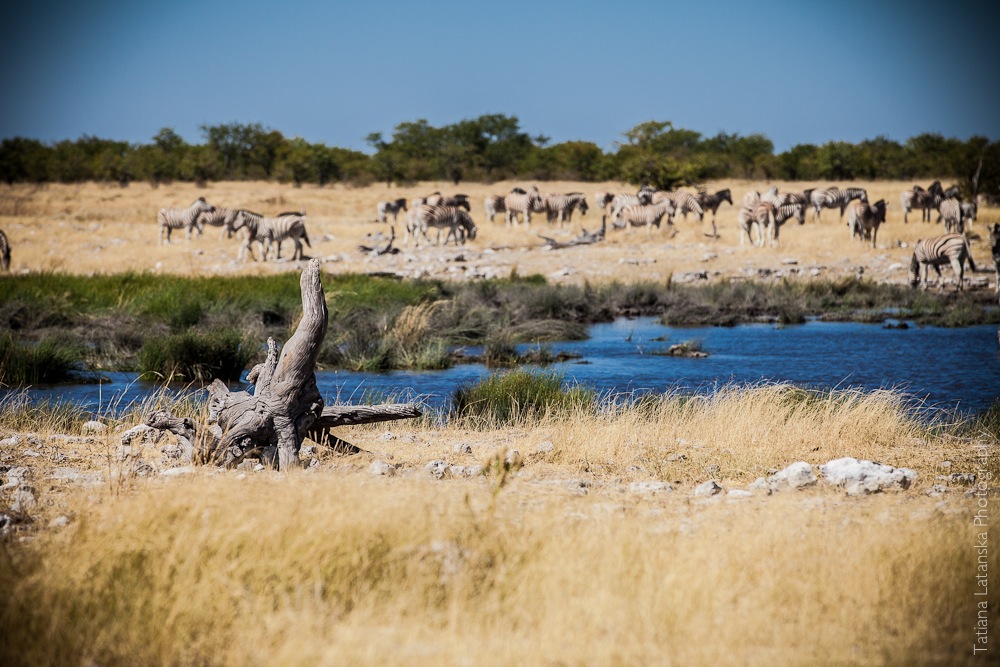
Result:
x=810 y=71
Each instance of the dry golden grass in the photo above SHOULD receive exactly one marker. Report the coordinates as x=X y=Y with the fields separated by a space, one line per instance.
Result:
x=561 y=563
x=103 y=228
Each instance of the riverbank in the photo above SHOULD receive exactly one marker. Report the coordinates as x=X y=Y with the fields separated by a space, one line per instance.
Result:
x=198 y=328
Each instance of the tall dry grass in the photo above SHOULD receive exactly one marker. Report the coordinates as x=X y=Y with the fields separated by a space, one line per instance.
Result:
x=560 y=563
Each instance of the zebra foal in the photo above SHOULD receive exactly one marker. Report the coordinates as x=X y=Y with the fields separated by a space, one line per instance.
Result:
x=170 y=219
x=934 y=252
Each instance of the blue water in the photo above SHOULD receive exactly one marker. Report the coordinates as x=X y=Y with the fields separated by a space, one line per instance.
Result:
x=942 y=368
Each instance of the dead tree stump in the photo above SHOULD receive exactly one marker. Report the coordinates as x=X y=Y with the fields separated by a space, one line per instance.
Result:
x=273 y=421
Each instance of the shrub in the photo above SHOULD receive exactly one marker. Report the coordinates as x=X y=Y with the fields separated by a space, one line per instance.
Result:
x=47 y=362
x=517 y=396
x=194 y=356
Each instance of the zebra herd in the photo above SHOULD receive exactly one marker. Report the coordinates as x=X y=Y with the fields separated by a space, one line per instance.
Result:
x=951 y=208
x=263 y=230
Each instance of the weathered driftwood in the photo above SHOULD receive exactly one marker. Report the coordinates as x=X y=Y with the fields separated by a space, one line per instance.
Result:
x=585 y=237
x=286 y=405
x=386 y=250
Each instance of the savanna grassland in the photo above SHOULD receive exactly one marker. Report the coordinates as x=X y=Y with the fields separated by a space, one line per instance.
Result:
x=554 y=527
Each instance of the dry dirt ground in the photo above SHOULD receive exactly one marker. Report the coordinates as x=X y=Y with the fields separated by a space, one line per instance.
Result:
x=103 y=228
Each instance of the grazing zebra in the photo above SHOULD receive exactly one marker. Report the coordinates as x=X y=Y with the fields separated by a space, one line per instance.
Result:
x=864 y=219
x=772 y=197
x=995 y=250
x=950 y=248
x=804 y=197
x=754 y=215
x=649 y=215
x=561 y=207
x=170 y=219
x=221 y=217
x=433 y=199
x=493 y=205
x=519 y=201
x=454 y=219
x=266 y=231
x=385 y=208
x=950 y=211
x=834 y=197
x=4 y=252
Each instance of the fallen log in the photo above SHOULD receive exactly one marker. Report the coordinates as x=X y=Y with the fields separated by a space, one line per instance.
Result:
x=585 y=237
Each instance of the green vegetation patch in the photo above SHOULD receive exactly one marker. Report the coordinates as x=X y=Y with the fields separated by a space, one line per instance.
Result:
x=194 y=356
x=514 y=397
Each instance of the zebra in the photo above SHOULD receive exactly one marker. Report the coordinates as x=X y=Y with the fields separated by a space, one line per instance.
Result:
x=951 y=212
x=384 y=208
x=754 y=214
x=4 y=252
x=804 y=197
x=950 y=248
x=834 y=197
x=619 y=202
x=266 y=231
x=769 y=223
x=772 y=197
x=995 y=250
x=864 y=219
x=969 y=211
x=170 y=219
x=649 y=215
x=453 y=218
x=493 y=205
x=523 y=202
x=561 y=207
x=603 y=200
x=914 y=198
x=712 y=202
x=222 y=217
x=751 y=199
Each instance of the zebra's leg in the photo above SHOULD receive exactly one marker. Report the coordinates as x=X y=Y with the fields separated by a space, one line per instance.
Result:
x=958 y=266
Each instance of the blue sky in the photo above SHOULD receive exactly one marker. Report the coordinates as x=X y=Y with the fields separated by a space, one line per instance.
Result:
x=798 y=72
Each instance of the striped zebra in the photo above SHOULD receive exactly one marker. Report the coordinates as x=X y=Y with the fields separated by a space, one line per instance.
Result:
x=267 y=231
x=995 y=250
x=934 y=252
x=754 y=215
x=561 y=207
x=712 y=202
x=493 y=204
x=603 y=200
x=454 y=219
x=170 y=219
x=969 y=211
x=522 y=202
x=915 y=198
x=772 y=197
x=750 y=199
x=834 y=197
x=649 y=215
x=863 y=219
x=768 y=219
x=4 y=252
x=620 y=202
x=385 y=208
x=222 y=217
x=951 y=213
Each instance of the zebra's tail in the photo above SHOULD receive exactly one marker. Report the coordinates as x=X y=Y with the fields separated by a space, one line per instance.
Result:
x=305 y=237
x=914 y=269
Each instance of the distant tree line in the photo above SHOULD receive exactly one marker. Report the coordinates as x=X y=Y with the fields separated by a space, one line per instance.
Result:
x=494 y=147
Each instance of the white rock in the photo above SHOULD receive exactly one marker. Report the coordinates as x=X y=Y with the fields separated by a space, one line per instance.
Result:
x=60 y=521
x=651 y=488
x=379 y=467
x=178 y=472
x=709 y=488
x=462 y=448
x=24 y=499
x=795 y=476
x=738 y=493
x=438 y=469
x=860 y=476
